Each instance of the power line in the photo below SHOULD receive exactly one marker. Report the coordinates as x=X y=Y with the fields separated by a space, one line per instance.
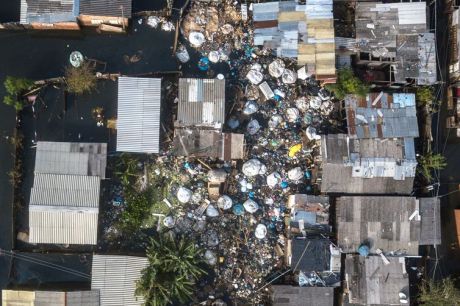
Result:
x=44 y=263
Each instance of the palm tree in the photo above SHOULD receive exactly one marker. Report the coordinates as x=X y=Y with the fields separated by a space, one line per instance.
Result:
x=174 y=267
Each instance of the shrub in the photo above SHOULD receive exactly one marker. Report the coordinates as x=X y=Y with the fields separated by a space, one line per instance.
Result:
x=81 y=79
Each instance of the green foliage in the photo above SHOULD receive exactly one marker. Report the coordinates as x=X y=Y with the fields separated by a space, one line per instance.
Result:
x=429 y=162
x=424 y=95
x=439 y=293
x=80 y=80
x=140 y=201
x=174 y=267
x=347 y=83
x=15 y=87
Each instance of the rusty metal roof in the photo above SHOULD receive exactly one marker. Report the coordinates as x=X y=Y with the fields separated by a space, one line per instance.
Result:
x=381 y=115
x=201 y=103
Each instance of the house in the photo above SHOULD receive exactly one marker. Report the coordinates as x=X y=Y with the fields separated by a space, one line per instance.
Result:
x=200 y=119
x=64 y=199
x=50 y=298
x=201 y=103
x=316 y=260
x=395 y=38
x=70 y=14
x=208 y=143
x=309 y=252
x=75 y=158
x=382 y=115
x=368 y=165
x=285 y=295
x=301 y=31
x=138 y=116
x=396 y=225
x=309 y=212
x=368 y=281
x=115 y=277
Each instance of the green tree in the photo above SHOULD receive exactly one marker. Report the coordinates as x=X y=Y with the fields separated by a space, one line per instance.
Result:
x=15 y=87
x=429 y=162
x=424 y=95
x=347 y=83
x=174 y=267
x=80 y=79
x=439 y=293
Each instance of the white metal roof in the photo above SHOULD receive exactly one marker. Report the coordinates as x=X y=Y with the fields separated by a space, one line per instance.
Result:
x=63 y=209
x=71 y=158
x=65 y=190
x=115 y=277
x=138 y=122
x=63 y=226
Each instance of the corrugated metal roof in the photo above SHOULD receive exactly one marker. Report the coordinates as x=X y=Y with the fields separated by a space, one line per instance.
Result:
x=370 y=282
x=201 y=103
x=138 y=122
x=382 y=221
x=300 y=29
x=63 y=209
x=115 y=277
x=63 y=226
x=381 y=115
x=386 y=166
x=284 y=295
x=65 y=190
x=71 y=158
x=112 y=8
x=48 y=11
x=208 y=143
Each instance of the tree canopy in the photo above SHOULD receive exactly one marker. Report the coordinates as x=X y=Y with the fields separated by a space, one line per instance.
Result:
x=347 y=83
x=430 y=162
x=80 y=79
x=174 y=267
x=14 y=88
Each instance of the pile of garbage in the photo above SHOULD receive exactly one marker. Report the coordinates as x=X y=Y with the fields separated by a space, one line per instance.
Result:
x=215 y=29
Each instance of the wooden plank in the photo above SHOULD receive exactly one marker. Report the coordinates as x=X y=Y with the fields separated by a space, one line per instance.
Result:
x=320 y=23
x=306 y=59
x=324 y=33
x=326 y=58
x=325 y=47
x=306 y=49
x=291 y=16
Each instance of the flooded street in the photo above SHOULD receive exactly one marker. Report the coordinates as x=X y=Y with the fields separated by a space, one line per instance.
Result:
x=40 y=56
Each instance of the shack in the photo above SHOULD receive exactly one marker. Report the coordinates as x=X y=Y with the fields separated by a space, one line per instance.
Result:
x=368 y=281
x=115 y=276
x=301 y=31
x=64 y=200
x=139 y=115
x=391 y=224
x=394 y=38
x=208 y=143
x=70 y=14
x=200 y=119
x=382 y=115
x=369 y=166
